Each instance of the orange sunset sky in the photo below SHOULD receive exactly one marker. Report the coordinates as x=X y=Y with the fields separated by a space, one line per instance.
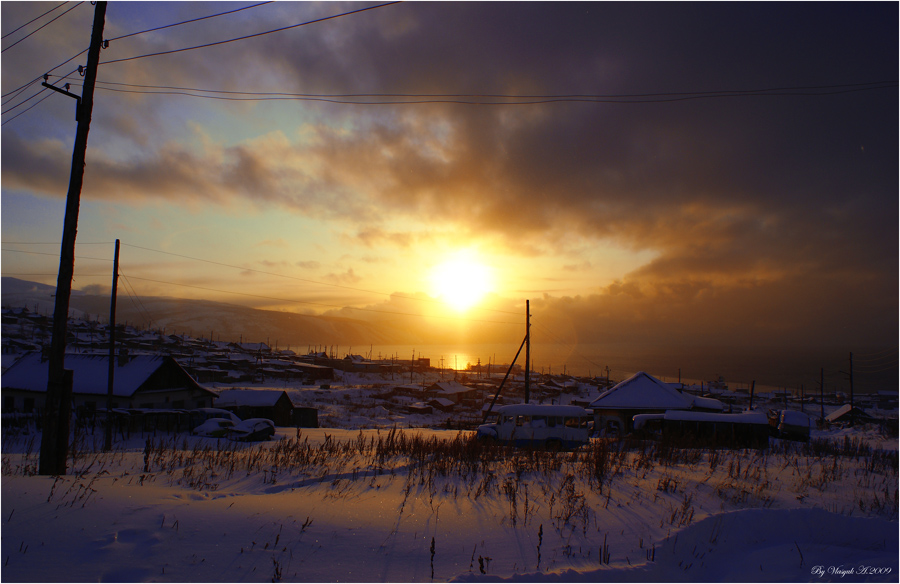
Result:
x=668 y=174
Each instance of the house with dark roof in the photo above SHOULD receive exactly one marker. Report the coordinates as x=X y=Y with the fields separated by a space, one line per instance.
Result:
x=453 y=391
x=273 y=404
x=643 y=394
x=848 y=415
x=140 y=382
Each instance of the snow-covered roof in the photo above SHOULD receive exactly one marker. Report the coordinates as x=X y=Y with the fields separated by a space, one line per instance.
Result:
x=248 y=397
x=442 y=401
x=843 y=411
x=90 y=373
x=706 y=403
x=642 y=391
x=450 y=387
x=251 y=347
x=742 y=418
x=542 y=410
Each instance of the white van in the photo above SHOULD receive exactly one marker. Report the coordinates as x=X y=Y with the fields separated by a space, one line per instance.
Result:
x=538 y=426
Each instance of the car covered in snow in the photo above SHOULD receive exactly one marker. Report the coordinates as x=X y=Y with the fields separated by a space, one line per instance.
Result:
x=539 y=426
x=214 y=428
x=203 y=414
x=252 y=430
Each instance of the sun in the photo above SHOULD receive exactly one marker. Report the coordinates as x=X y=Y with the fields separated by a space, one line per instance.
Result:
x=461 y=281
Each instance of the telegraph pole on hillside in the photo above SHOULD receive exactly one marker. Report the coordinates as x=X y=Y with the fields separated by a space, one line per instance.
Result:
x=527 y=350
x=58 y=404
x=852 y=412
x=822 y=395
x=107 y=445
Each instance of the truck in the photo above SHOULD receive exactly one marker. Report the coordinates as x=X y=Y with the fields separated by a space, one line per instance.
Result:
x=553 y=427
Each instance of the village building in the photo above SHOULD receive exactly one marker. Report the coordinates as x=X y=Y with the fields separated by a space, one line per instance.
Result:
x=441 y=403
x=453 y=391
x=140 y=382
x=642 y=393
x=272 y=404
x=848 y=415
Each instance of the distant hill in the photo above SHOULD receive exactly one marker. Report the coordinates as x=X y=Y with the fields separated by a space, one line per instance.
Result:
x=200 y=318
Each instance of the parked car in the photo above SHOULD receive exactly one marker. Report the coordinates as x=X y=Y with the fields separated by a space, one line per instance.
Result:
x=253 y=429
x=214 y=428
x=208 y=413
x=539 y=426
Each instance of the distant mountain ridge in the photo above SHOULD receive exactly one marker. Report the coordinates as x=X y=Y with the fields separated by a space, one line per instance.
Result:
x=200 y=318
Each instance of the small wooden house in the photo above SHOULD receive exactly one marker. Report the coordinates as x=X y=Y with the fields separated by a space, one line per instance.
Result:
x=140 y=382
x=639 y=394
x=258 y=403
x=450 y=390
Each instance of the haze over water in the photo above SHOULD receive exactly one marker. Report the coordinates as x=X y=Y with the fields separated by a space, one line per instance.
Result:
x=770 y=371
x=669 y=188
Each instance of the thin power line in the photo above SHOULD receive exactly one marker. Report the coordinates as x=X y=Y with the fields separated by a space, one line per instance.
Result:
x=250 y=36
x=125 y=36
x=27 y=99
x=722 y=92
x=33 y=19
x=490 y=100
x=558 y=340
x=54 y=274
x=874 y=371
x=6 y=242
x=134 y=297
x=243 y=269
x=55 y=254
x=879 y=355
x=19 y=89
x=26 y=109
x=39 y=28
x=39 y=77
x=303 y=279
x=24 y=101
x=293 y=301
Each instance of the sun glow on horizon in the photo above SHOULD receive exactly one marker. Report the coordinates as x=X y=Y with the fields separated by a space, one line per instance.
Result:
x=461 y=280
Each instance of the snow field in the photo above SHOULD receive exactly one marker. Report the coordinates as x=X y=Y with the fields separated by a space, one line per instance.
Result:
x=399 y=506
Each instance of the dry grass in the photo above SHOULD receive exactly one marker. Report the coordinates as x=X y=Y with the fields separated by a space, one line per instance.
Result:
x=565 y=489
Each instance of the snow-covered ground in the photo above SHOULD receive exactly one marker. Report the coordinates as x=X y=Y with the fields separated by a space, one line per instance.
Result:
x=377 y=505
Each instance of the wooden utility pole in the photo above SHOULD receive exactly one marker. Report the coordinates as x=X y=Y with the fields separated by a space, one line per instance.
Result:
x=852 y=412
x=55 y=432
x=107 y=445
x=500 y=387
x=822 y=394
x=527 y=351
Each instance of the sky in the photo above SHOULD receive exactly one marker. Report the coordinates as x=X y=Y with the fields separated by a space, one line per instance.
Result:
x=727 y=176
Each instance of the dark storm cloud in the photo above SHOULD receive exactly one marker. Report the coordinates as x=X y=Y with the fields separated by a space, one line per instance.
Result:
x=761 y=200
x=781 y=206
x=758 y=169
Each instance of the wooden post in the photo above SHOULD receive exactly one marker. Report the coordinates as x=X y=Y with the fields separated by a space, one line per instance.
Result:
x=107 y=445
x=852 y=412
x=822 y=394
x=527 y=351
x=500 y=387
x=55 y=436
